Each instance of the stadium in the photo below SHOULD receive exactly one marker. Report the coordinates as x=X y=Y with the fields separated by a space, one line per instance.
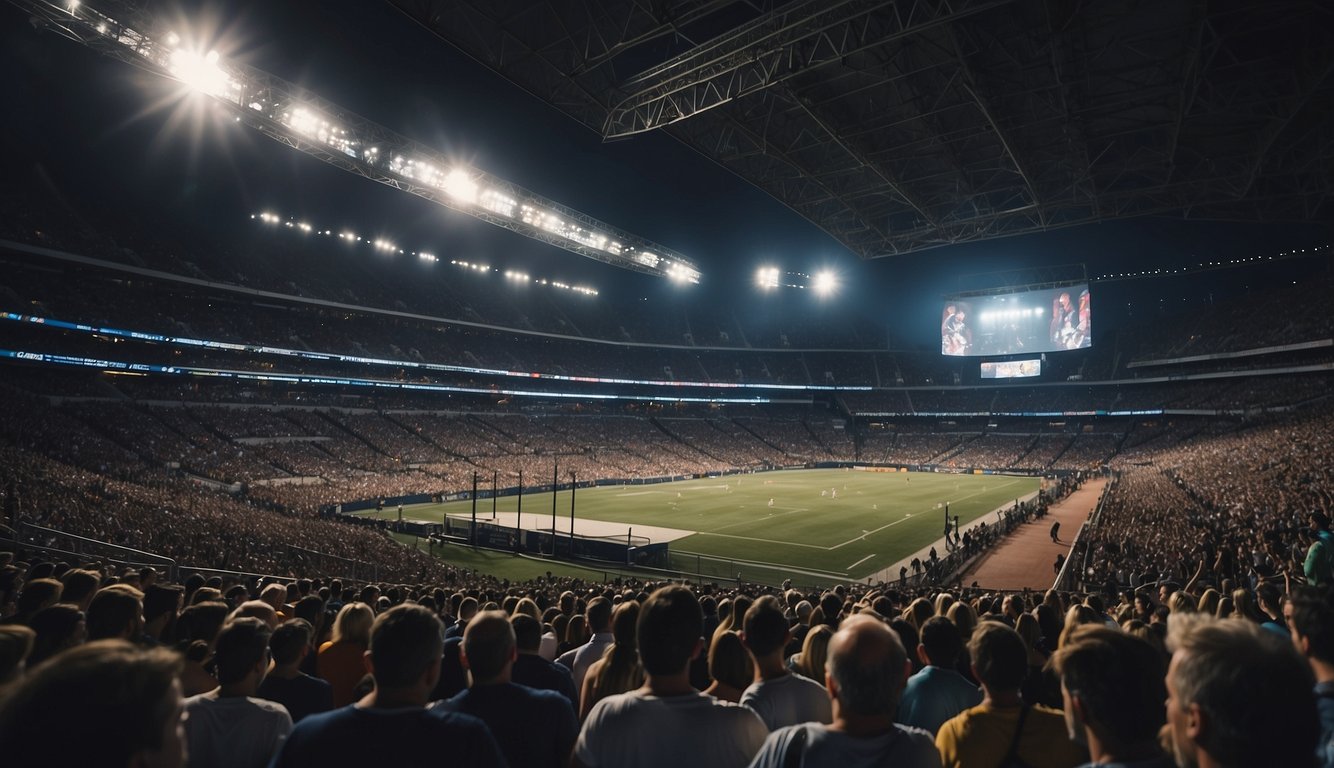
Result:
x=1007 y=312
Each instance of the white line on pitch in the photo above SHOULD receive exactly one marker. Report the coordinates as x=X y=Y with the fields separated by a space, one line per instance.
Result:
x=901 y=519
x=859 y=562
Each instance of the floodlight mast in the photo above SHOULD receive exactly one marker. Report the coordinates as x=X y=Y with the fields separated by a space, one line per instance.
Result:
x=301 y=120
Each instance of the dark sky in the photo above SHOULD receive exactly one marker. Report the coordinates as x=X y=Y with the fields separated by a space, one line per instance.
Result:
x=83 y=128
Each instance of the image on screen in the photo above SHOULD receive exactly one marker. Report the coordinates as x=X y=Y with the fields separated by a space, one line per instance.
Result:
x=1050 y=320
x=1013 y=369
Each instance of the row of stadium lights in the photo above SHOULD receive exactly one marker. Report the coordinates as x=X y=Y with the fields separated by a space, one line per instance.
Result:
x=204 y=73
x=390 y=247
x=1211 y=264
x=771 y=278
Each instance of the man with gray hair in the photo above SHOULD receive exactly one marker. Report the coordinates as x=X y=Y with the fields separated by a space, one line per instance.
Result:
x=864 y=676
x=1237 y=696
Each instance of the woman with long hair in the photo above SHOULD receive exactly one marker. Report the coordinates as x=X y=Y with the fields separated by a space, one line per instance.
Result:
x=731 y=668
x=810 y=662
x=341 y=661
x=619 y=669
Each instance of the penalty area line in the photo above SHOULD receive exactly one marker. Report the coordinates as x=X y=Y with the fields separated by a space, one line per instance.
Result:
x=859 y=562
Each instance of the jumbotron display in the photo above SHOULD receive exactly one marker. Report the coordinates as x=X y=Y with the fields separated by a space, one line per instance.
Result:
x=1050 y=320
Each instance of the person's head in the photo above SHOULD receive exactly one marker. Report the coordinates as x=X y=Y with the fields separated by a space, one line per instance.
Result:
x=290 y=641
x=815 y=652
x=1000 y=660
x=242 y=651
x=527 y=633
x=275 y=595
x=80 y=586
x=16 y=643
x=1319 y=521
x=1239 y=694
x=866 y=670
x=406 y=648
x=116 y=612
x=1310 y=619
x=1112 y=684
x=599 y=614
x=729 y=662
x=488 y=647
x=37 y=594
x=126 y=703
x=670 y=628
x=353 y=624
x=940 y=643
x=58 y=627
x=764 y=628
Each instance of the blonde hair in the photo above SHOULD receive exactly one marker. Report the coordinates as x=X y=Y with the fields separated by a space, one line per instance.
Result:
x=353 y=624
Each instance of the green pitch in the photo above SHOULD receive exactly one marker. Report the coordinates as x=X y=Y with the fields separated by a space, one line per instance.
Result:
x=830 y=523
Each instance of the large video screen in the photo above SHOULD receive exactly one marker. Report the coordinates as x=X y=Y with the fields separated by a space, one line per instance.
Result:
x=1050 y=320
x=1013 y=369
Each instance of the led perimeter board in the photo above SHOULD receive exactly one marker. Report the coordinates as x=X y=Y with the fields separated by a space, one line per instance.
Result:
x=1050 y=320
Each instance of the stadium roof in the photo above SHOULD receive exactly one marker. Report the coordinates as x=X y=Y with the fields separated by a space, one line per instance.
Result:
x=903 y=126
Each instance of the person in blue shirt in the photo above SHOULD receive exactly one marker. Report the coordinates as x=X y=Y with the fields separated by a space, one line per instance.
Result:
x=937 y=693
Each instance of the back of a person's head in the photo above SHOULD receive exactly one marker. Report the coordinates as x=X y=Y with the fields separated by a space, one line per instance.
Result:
x=80 y=584
x=116 y=698
x=832 y=605
x=729 y=662
x=404 y=642
x=113 y=610
x=1313 y=621
x=765 y=626
x=160 y=600
x=1256 y=694
x=16 y=643
x=527 y=633
x=57 y=627
x=868 y=665
x=310 y=608
x=201 y=622
x=289 y=639
x=256 y=609
x=1119 y=679
x=241 y=645
x=38 y=593
x=941 y=641
x=625 y=626
x=999 y=657
x=353 y=624
x=670 y=625
x=488 y=643
x=599 y=614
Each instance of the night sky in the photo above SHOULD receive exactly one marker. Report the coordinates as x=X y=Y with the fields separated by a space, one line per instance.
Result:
x=83 y=130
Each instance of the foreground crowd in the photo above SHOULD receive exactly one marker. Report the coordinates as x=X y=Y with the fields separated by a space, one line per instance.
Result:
x=101 y=669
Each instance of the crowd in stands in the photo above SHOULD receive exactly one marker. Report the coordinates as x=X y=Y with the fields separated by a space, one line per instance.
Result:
x=310 y=670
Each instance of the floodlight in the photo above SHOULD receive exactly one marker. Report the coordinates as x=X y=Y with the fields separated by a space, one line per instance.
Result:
x=201 y=74
x=767 y=278
x=825 y=283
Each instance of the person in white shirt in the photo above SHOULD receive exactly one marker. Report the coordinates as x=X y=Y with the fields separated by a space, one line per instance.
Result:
x=228 y=727
x=778 y=696
x=578 y=659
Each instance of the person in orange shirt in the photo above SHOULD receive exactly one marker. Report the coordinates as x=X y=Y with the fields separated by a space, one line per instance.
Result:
x=342 y=661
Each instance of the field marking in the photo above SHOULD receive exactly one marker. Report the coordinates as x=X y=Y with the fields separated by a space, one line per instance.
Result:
x=641 y=493
x=766 y=541
x=751 y=521
x=859 y=562
x=901 y=519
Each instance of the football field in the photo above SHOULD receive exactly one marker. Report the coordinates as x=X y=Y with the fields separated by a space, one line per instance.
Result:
x=830 y=523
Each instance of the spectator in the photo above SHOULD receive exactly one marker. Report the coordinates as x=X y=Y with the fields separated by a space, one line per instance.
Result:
x=530 y=668
x=730 y=666
x=578 y=660
x=1113 y=691
x=867 y=670
x=1319 y=563
x=117 y=613
x=1004 y=724
x=1310 y=617
x=938 y=692
x=814 y=650
x=301 y=694
x=619 y=670
x=341 y=660
x=196 y=632
x=59 y=627
x=1237 y=696
x=228 y=726
x=16 y=643
x=391 y=725
x=36 y=595
x=533 y=727
x=779 y=697
x=125 y=701
x=668 y=723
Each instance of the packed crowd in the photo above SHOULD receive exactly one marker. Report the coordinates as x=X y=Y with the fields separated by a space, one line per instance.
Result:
x=557 y=672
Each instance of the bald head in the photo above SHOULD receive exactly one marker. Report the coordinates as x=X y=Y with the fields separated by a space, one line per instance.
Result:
x=488 y=647
x=867 y=668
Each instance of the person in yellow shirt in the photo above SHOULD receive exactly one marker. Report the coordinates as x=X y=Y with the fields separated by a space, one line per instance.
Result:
x=990 y=735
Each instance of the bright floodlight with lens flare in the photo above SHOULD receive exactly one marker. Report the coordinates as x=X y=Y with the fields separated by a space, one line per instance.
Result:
x=767 y=278
x=824 y=283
